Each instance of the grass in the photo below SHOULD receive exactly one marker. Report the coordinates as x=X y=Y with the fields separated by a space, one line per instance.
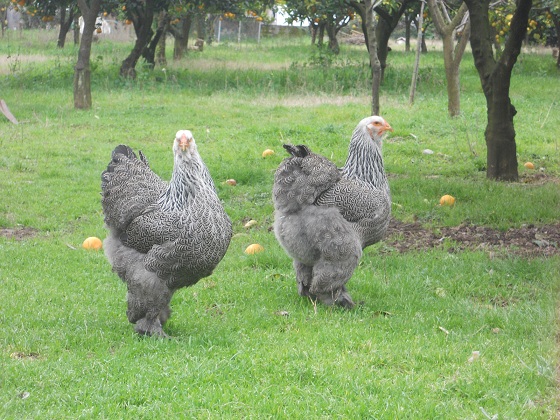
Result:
x=245 y=344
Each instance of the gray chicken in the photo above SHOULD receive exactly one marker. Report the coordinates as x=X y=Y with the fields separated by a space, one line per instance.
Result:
x=162 y=236
x=325 y=217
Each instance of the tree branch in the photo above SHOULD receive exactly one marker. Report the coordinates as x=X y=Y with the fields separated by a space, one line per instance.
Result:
x=518 y=30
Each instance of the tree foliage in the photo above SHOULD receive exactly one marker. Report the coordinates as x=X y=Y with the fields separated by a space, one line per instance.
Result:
x=323 y=16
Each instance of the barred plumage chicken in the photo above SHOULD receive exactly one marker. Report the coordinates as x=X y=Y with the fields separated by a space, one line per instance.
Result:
x=162 y=236
x=324 y=217
x=363 y=195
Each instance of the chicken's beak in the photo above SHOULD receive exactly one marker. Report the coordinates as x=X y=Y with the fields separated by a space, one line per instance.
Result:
x=184 y=142
x=385 y=128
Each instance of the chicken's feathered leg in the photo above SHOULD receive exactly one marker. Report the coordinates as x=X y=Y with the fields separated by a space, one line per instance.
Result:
x=148 y=297
x=148 y=305
x=329 y=279
x=304 y=274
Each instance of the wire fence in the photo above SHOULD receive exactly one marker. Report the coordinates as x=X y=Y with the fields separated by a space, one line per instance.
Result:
x=228 y=30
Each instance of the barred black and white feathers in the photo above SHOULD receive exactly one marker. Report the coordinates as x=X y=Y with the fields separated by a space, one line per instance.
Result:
x=322 y=244
x=162 y=236
x=300 y=180
x=363 y=196
x=324 y=217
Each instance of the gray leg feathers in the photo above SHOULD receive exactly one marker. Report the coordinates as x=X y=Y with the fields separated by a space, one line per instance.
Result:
x=304 y=275
x=148 y=308
x=148 y=297
x=329 y=279
x=326 y=281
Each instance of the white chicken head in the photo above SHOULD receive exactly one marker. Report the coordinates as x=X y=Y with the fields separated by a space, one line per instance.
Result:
x=375 y=126
x=184 y=144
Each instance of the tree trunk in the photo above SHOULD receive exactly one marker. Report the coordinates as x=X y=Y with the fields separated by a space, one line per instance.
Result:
x=452 y=78
x=383 y=33
x=182 y=38
x=417 y=57
x=201 y=26
x=386 y=25
x=495 y=77
x=333 y=42
x=82 y=72
x=3 y=20
x=557 y=26
x=76 y=30
x=142 y=19
x=209 y=22
x=65 y=25
x=373 y=59
x=313 y=27
x=163 y=20
x=452 y=70
x=452 y=54
x=501 y=153
x=407 y=24
x=321 y=34
x=149 y=52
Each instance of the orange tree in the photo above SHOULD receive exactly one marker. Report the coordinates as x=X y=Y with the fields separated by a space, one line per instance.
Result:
x=182 y=14
x=4 y=4
x=390 y=13
x=454 y=28
x=544 y=26
x=377 y=32
x=324 y=16
x=65 y=11
x=141 y=14
x=495 y=71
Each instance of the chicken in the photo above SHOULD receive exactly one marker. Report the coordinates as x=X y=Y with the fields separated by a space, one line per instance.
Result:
x=325 y=217
x=162 y=236
x=363 y=195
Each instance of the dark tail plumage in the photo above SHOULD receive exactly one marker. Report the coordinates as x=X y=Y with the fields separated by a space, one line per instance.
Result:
x=297 y=151
x=120 y=150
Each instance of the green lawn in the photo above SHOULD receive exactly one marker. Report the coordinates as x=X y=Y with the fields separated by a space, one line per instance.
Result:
x=245 y=344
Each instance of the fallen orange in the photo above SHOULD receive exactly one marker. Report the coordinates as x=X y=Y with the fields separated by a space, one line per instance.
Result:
x=447 y=200
x=254 y=249
x=92 y=243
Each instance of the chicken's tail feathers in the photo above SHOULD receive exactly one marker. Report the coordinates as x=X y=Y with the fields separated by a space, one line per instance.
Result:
x=143 y=158
x=119 y=150
x=126 y=151
x=297 y=151
x=123 y=150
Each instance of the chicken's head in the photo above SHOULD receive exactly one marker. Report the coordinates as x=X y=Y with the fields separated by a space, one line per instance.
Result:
x=375 y=126
x=184 y=143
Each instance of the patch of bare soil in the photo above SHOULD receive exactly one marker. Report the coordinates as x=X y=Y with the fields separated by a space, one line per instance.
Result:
x=526 y=241
x=538 y=178
x=19 y=233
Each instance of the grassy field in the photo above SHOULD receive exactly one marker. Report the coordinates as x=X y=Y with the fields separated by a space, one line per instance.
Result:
x=245 y=344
